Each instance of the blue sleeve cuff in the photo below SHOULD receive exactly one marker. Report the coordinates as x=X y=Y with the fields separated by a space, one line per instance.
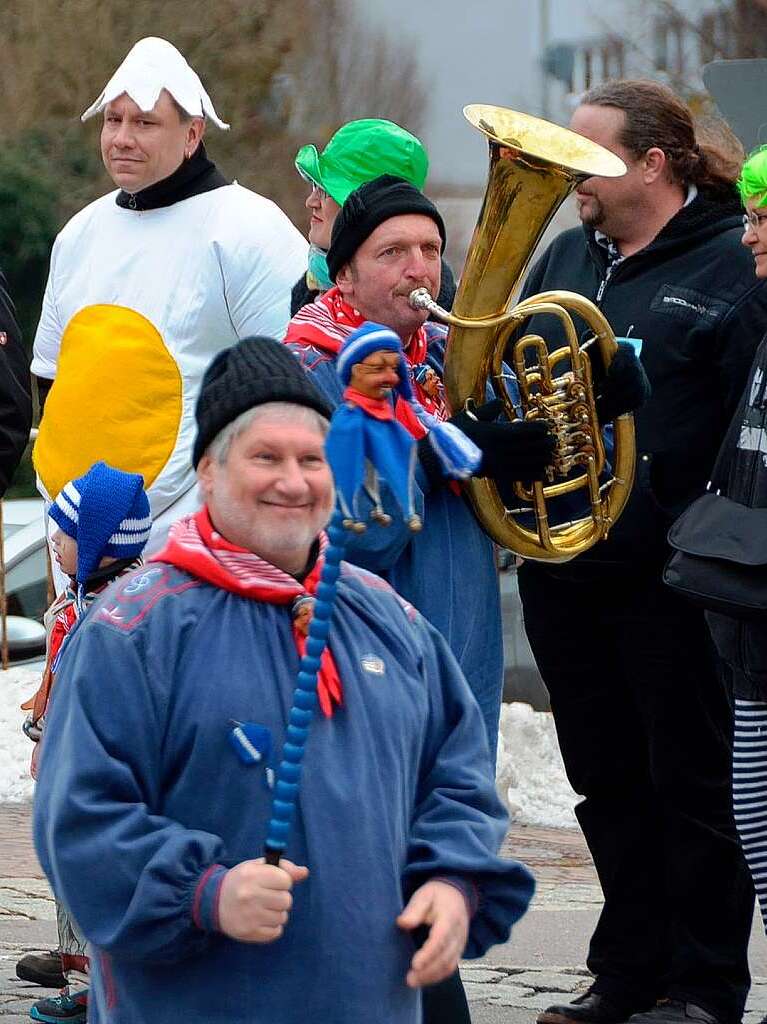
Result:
x=206 y=896
x=466 y=887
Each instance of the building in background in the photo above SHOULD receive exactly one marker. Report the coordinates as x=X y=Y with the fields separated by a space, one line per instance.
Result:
x=539 y=56
x=670 y=40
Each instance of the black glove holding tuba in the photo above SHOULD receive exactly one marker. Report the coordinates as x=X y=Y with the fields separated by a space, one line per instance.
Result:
x=511 y=451
x=523 y=449
x=624 y=388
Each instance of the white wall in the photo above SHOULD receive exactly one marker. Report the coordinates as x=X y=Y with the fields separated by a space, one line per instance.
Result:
x=480 y=52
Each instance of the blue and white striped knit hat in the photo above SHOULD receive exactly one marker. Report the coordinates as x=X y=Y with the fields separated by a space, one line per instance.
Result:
x=107 y=513
x=363 y=342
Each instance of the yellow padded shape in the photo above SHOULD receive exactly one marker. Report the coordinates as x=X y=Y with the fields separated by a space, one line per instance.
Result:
x=117 y=397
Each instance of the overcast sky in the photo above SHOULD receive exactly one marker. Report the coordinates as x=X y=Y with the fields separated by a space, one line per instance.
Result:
x=485 y=51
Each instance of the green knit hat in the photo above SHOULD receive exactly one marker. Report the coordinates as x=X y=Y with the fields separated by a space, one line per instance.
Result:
x=753 y=177
x=361 y=151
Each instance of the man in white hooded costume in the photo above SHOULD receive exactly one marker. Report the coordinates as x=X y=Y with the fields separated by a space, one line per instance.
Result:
x=148 y=283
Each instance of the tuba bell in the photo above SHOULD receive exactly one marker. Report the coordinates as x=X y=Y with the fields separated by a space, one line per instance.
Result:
x=534 y=166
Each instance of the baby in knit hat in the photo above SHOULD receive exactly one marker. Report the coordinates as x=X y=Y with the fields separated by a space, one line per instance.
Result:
x=103 y=522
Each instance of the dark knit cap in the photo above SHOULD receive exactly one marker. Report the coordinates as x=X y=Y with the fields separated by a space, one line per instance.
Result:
x=370 y=205
x=252 y=372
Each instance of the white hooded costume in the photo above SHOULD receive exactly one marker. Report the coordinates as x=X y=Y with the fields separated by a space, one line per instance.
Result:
x=139 y=301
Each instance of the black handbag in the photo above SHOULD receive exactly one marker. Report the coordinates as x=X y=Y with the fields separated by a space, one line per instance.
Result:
x=720 y=557
x=720 y=546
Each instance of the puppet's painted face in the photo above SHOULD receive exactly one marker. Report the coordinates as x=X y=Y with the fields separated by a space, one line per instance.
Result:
x=376 y=374
x=430 y=384
x=303 y=617
x=139 y=147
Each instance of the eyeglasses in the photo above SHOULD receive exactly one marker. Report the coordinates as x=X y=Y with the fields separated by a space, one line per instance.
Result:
x=753 y=220
x=321 y=193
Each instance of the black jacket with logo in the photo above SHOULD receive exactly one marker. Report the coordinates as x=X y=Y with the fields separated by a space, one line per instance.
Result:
x=15 y=390
x=692 y=297
x=741 y=474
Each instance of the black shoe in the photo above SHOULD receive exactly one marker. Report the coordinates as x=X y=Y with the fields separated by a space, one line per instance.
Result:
x=674 y=1011
x=42 y=969
x=590 y=1008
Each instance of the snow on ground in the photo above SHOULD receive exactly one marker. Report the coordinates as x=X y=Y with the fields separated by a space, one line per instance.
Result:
x=530 y=780
x=17 y=684
x=530 y=777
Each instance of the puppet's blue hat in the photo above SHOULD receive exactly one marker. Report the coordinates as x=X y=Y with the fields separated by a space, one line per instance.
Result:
x=364 y=342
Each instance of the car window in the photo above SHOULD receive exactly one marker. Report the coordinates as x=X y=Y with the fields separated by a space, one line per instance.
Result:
x=27 y=586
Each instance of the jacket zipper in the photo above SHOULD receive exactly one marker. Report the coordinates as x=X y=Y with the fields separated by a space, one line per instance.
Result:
x=605 y=282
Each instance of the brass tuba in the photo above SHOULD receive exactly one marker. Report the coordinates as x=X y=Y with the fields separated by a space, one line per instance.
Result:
x=534 y=165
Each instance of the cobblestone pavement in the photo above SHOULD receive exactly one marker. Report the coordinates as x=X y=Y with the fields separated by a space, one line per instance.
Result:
x=541 y=965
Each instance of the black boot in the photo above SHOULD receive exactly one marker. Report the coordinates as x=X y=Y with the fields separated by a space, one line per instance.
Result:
x=675 y=1011
x=42 y=969
x=590 y=1008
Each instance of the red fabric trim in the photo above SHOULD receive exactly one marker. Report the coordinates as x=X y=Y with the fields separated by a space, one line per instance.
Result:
x=378 y=408
x=62 y=627
x=75 y=962
x=110 y=989
x=311 y=334
x=216 y=902
x=198 y=894
x=329 y=689
x=404 y=412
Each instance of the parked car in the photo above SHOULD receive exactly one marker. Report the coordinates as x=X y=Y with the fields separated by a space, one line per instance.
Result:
x=26 y=577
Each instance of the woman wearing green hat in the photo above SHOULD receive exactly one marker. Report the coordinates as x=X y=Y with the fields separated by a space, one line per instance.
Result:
x=358 y=152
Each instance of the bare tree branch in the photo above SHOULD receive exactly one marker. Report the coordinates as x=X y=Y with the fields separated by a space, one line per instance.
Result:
x=354 y=72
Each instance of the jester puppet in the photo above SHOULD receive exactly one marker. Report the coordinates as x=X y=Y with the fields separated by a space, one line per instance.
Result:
x=367 y=440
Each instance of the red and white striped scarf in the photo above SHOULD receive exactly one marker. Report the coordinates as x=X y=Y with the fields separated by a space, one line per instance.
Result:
x=196 y=547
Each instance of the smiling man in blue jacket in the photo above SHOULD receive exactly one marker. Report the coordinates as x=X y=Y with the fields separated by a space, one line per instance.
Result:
x=151 y=811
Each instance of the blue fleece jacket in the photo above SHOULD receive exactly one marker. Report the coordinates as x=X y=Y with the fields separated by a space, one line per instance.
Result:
x=142 y=803
x=447 y=571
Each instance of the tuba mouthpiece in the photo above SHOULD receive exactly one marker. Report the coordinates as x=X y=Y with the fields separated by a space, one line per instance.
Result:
x=420 y=298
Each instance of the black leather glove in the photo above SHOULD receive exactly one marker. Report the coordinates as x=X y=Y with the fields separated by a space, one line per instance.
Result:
x=624 y=388
x=518 y=450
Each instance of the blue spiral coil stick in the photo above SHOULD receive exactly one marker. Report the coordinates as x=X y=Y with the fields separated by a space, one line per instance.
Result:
x=365 y=439
x=288 y=775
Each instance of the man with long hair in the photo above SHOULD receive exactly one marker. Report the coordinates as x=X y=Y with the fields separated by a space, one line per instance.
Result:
x=643 y=718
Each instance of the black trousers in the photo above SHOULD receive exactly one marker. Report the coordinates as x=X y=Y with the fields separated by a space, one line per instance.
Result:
x=446 y=1003
x=645 y=727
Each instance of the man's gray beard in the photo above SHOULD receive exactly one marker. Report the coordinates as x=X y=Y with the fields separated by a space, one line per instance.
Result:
x=268 y=542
